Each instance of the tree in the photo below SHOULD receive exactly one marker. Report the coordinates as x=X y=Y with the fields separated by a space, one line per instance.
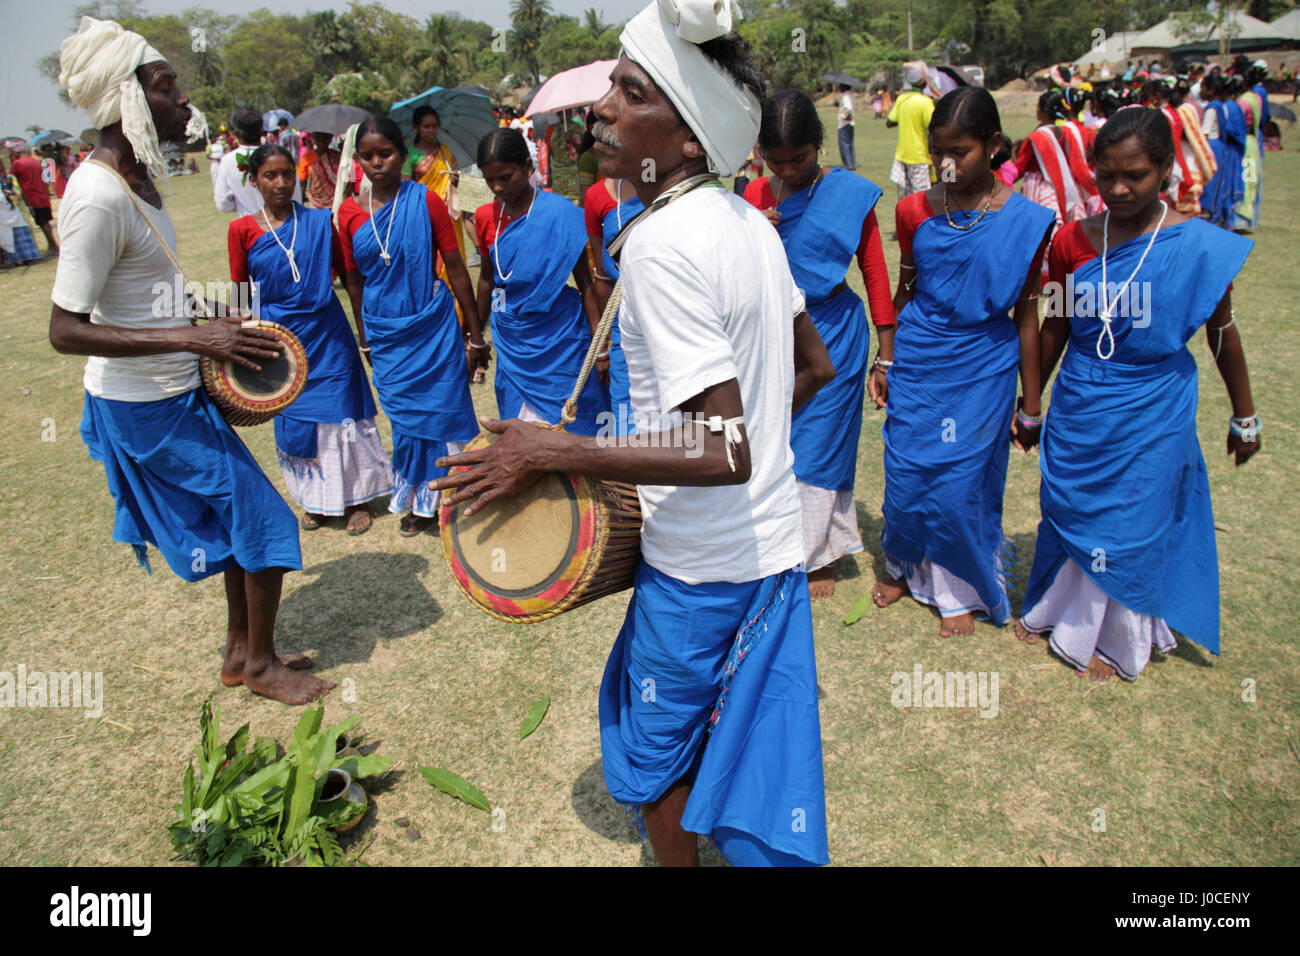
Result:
x=592 y=23
x=35 y=130
x=268 y=63
x=527 y=20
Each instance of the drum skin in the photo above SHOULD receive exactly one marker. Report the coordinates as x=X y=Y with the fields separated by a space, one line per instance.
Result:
x=246 y=397
x=564 y=541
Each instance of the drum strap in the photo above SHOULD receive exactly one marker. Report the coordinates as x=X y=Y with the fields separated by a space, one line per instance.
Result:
x=600 y=337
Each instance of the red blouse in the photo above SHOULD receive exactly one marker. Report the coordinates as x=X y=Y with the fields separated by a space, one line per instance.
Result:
x=486 y=224
x=247 y=230
x=596 y=206
x=914 y=210
x=352 y=217
x=871 y=254
x=1070 y=249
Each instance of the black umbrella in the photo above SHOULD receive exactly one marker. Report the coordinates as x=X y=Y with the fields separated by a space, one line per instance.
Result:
x=329 y=118
x=528 y=97
x=1281 y=112
x=475 y=89
x=836 y=79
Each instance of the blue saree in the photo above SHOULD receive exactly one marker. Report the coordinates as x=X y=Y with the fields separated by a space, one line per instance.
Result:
x=952 y=393
x=1124 y=491
x=821 y=236
x=336 y=388
x=620 y=401
x=1225 y=189
x=419 y=358
x=539 y=327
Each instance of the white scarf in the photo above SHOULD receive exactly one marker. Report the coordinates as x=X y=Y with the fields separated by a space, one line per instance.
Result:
x=662 y=39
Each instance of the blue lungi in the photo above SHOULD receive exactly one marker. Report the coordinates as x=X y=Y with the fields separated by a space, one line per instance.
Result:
x=718 y=682
x=184 y=482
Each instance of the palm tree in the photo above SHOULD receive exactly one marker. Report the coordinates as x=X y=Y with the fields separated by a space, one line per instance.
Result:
x=35 y=130
x=527 y=17
x=591 y=21
x=437 y=50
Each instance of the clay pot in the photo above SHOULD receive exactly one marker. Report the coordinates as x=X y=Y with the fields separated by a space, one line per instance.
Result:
x=340 y=787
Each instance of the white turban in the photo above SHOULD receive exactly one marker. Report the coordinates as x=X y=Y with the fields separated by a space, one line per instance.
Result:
x=97 y=67
x=723 y=115
x=914 y=73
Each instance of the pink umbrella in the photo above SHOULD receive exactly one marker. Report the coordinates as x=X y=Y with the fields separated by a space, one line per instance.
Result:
x=572 y=89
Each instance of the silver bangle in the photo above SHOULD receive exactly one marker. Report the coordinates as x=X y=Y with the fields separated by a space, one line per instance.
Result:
x=1247 y=428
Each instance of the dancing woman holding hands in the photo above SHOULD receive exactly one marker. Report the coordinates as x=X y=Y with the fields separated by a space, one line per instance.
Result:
x=1126 y=552
x=327 y=442
x=407 y=321
x=826 y=218
x=971 y=250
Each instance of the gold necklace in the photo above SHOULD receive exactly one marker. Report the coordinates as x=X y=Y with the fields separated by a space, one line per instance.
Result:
x=781 y=185
x=987 y=204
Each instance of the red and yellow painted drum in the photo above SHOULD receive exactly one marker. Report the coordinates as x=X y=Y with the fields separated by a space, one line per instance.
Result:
x=563 y=542
x=246 y=397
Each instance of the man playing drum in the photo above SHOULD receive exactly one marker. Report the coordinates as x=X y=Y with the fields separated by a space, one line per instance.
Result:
x=182 y=480
x=708 y=707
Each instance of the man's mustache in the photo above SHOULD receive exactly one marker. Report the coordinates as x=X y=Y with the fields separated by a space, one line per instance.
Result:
x=600 y=132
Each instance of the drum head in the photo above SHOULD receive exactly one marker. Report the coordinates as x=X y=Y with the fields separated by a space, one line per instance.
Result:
x=275 y=377
x=528 y=554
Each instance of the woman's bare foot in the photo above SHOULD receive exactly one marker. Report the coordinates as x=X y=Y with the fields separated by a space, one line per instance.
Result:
x=232 y=667
x=821 y=583
x=1022 y=632
x=962 y=625
x=885 y=593
x=287 y=686
x=1098 y=669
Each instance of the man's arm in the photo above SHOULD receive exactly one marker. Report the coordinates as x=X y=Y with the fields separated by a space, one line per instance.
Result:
x=72 y=333
x=812 y=363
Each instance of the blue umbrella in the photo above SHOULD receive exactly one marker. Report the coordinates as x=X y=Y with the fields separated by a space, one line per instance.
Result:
x=50 y=136
x=465 y=118
x=271 y=119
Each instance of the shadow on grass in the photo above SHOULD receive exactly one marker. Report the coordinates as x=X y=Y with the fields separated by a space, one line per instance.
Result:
x=351 y=602
x=598 y=811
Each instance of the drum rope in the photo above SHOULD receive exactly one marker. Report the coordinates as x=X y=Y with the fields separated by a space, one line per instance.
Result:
x=600 y=337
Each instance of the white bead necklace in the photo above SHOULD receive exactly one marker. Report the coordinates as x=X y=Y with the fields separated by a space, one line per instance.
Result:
x=496 y=243
x=1108 y=305
x=384 y=245
x=293 y=265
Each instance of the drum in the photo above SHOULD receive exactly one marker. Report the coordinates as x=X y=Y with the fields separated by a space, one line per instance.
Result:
x=246 y=397
x=563 y=542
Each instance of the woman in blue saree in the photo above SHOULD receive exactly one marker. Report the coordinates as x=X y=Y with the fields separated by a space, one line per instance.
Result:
x=1126 y=552
x=1227 y=135
x=825 y=218
x=609 y=205
x=971 y=253
x=327 y=442
x=541 y=326
x=391 y=242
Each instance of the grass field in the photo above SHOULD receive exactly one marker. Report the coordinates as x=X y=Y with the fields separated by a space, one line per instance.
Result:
x=1184 y=770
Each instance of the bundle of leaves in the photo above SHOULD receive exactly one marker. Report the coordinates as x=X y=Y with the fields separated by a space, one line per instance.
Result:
x=251 y=806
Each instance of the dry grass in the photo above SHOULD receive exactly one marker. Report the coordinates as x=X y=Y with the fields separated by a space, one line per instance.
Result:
x=1186 y=772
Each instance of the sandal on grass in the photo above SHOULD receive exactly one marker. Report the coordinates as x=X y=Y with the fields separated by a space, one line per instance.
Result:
x=309 y=521
x=412 y=524
x=359 y=522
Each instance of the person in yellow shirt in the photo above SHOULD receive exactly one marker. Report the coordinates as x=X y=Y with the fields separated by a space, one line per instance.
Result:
x=911 y=114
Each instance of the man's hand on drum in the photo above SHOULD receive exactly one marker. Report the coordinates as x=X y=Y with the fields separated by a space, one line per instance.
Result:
x=226 y=338
x=502 y=469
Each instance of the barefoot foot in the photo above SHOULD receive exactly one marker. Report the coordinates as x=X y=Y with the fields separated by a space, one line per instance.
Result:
x=1022 y=632
x=821 y=583
x=1099 y=669
x=885 y=593
x=287 y=686
x=232 y=667
x=960 y=626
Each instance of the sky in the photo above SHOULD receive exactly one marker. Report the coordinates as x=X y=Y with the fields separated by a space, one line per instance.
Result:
x=33 y=28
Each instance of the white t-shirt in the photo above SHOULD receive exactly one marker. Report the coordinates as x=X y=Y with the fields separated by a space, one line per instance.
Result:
x=1210 y=124
x=231 y=194
x=708 y=297
x=846 y=110
x=111 y=266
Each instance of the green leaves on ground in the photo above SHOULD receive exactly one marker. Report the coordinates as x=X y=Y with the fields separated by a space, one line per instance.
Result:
x=534 y=719
x=456 y=786
x=859 y=608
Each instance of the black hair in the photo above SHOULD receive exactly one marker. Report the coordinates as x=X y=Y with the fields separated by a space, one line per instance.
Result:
x=790 y=119
x=1150 y=127
x=283 y=122
x=1178 y=93
x=418 y=117
x=382 y=126
x=1073 y=98
x=969 y=109
x=1052 y=104
x=731 y=53
x=247 y=124
x=258 y=157
x=1005 y=152
x=503 y=145
x=588 y=140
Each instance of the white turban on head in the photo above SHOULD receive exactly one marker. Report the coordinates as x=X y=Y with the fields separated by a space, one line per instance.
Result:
x=97 y=67
x=723 y=115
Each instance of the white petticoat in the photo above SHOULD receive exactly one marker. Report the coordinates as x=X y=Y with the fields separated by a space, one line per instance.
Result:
x=933 y=585
x=1085 y=621
x=350 y=467
x=830 y=525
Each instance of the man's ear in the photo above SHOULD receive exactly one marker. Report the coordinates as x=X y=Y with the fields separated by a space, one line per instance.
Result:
x=692 y=148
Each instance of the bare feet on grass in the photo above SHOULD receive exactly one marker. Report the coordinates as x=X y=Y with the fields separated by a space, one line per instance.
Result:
x=962 y=625
x=886 y=592
x=1098 y=669
x=1023 y=633
x=821 y=583
x=232 y=668
x=287 y=686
